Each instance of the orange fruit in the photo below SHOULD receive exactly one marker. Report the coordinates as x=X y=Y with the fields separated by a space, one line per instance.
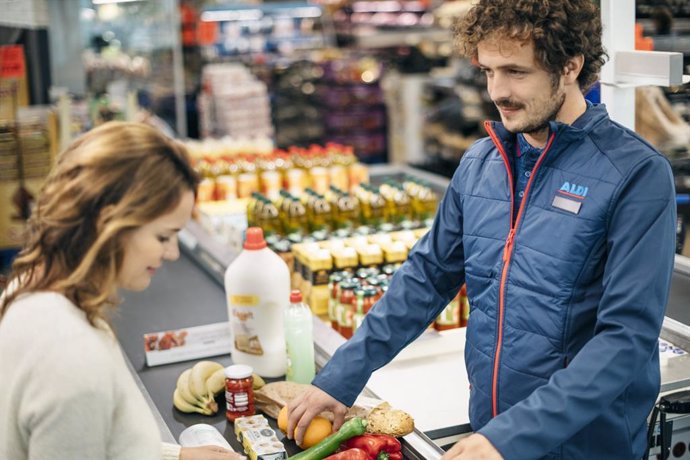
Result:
x=318 y=429
x=283 y=419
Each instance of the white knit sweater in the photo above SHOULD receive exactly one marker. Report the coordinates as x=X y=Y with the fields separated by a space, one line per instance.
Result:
x=66 y=390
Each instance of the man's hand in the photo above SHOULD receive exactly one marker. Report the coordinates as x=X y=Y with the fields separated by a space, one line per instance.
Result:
x=209 y=453
x=309 y=404
x=473 y=447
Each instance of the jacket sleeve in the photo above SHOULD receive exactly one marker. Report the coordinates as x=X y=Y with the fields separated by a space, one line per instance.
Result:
x=419 y=290
x=636 y=280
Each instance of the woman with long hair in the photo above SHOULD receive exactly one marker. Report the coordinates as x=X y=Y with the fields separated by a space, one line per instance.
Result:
x=106 y=218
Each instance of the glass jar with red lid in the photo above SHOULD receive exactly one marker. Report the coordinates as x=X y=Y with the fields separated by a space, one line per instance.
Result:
x=334 y=296
x=239 y=393
x=376 y=283
x=346 y=306
x=369 y=298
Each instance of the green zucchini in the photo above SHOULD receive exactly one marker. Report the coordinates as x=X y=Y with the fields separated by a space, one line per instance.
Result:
x=353 y=427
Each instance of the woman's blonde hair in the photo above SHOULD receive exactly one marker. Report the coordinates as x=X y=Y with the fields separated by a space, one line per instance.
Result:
x=110 y=181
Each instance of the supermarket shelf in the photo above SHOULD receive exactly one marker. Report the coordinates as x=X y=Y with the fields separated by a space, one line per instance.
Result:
x=388 y=39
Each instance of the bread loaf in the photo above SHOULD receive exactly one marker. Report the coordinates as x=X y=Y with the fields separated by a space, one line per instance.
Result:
x=383 y=419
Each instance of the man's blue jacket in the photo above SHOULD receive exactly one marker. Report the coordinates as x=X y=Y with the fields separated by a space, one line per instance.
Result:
x=566 y=304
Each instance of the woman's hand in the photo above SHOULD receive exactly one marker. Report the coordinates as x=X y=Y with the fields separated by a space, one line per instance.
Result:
x=209 y=453
x=473 y=447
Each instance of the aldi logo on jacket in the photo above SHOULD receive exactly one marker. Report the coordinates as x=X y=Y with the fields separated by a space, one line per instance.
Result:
x=574 y=190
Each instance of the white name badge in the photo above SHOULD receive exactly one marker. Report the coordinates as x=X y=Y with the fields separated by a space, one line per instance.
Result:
x=566 y=204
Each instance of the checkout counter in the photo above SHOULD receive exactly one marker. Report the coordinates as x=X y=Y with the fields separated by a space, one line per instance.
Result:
x=189 y=292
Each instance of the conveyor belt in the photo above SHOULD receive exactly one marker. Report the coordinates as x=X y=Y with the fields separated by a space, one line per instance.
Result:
x=180 y=295
x=679 y=299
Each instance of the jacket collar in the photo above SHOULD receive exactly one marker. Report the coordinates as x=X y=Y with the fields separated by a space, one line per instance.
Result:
x=564 y=133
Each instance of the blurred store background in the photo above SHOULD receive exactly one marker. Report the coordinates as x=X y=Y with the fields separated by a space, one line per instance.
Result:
x=250 y=85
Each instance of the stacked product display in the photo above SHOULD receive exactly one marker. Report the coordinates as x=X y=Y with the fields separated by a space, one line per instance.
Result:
x=343 y=278
x=457 y=104
x=229 y=174
x=329 y=96
x=233 y=103
x=28 y=146
x=353 y=106
x=296 y=114
x=359 y=20
x=235 y=30
x=365 y=210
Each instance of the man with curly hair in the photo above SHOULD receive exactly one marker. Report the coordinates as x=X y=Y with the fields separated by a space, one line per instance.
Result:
x=561 y=223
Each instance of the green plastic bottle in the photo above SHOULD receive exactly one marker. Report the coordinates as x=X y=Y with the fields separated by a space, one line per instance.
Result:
x=299 y=340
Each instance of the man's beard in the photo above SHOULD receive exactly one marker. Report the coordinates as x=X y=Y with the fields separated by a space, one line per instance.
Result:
x=540 y=124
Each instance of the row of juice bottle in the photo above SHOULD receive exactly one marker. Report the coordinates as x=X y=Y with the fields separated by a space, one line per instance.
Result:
x=388 y=207
x=296 y=169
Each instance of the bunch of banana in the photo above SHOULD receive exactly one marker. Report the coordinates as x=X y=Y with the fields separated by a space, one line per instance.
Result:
x=198 y=386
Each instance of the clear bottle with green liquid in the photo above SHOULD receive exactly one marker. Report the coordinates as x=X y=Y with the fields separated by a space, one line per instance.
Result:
x=299 y=340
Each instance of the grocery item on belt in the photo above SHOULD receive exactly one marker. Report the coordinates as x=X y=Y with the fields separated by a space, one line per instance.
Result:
x=376 y=446
x=263 y=444
x=351 y=428
x=203 y=434
x=258 y=439
x=382 y=418
x=349 y=454
x=386 y=420
x=196 y=388
x=251 y=423
x=319 y=428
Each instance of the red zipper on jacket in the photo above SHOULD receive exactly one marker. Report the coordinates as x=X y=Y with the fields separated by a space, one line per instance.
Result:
x=508 y=251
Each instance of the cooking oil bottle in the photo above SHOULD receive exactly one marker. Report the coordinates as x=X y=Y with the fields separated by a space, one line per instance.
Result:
x=373 y=206
x=296 y=219
x=347 y=212
x=320 y=214
x=254 y=207
x=428 y=203
x=269 y=218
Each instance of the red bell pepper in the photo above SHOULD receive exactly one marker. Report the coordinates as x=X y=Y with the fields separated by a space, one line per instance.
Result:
x=377 y=446
x=349 y=454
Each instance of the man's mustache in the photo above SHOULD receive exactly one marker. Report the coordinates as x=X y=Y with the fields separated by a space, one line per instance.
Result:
x=508 y=104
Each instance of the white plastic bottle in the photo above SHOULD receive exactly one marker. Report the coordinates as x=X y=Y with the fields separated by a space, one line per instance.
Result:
x=299 y=339
x=257 y=283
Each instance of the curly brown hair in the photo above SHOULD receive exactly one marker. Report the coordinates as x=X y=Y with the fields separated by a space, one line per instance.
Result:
x=107 y=183
x=560 y=30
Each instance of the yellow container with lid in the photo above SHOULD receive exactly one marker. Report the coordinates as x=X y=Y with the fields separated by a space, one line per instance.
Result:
x=370 y=255
x=318 y=300
x=394 y=252
x=345 y=258
x=318 y=265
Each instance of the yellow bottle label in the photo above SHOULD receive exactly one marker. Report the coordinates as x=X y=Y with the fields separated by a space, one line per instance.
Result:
x=245 y=300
